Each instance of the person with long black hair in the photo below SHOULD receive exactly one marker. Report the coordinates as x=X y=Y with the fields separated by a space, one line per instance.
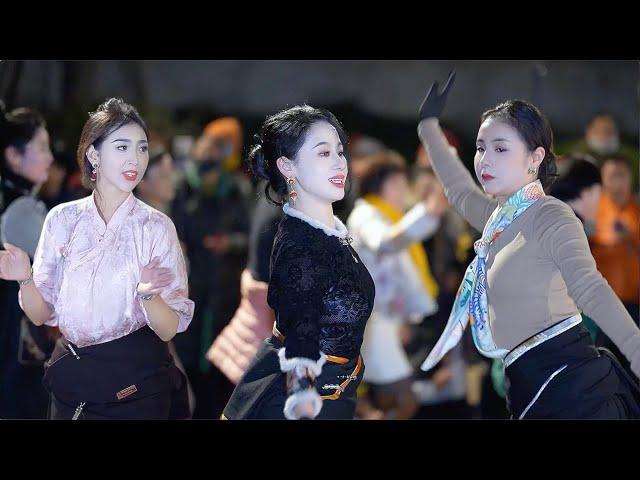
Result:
x=25 y=159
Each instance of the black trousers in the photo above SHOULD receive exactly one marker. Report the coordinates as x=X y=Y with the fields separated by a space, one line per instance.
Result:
x=131 y=378
x=567 y=377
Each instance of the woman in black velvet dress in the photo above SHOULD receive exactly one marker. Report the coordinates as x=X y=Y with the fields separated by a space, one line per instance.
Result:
x=321 y=292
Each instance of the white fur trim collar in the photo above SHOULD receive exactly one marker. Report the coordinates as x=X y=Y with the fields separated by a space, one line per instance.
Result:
x=340 y=231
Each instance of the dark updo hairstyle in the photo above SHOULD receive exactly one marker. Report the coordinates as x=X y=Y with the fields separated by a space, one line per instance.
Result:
x=283 y=134
x=110 y=116
x=534 y=129
x=17 y=128
x=379 y=167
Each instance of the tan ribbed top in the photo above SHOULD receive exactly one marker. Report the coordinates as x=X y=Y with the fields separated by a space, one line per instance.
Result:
x=540 y=270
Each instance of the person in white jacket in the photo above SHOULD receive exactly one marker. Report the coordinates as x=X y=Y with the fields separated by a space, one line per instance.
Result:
x=388 y=241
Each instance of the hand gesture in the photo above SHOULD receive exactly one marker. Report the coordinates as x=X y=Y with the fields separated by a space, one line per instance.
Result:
x=154 y=278
x=434 y=103
x=14 y=263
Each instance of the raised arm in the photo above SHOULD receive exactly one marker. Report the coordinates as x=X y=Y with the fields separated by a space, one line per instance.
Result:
x=461 y=190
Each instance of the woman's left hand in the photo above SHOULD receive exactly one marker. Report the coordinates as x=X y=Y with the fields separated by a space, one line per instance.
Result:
x=154 y=278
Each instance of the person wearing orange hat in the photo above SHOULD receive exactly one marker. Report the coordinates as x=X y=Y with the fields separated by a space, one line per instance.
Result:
x=224 y=137
x=228 y=131
x=212 y=217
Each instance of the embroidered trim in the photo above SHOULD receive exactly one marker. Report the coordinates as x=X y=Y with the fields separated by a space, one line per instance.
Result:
x=544 y=385
x=541 y=337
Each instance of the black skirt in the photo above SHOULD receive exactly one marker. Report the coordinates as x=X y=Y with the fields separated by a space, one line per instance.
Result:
x=131 y=378
x=262 y=391
x=567 y=377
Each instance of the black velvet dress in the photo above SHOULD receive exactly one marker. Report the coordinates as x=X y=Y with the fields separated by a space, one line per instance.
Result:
x=322 y=295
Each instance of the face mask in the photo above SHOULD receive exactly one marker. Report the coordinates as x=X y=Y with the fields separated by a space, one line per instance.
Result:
x=604 y=146
x=208 y=165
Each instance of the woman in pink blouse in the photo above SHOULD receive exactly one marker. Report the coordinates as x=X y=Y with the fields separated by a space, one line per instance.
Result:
x=109 y=272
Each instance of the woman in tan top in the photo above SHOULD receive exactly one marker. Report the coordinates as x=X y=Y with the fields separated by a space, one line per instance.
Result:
x=533 y=274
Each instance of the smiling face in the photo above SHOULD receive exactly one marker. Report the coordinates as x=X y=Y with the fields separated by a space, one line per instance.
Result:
x=503 y=159
x=320 y=166
x=122 y=158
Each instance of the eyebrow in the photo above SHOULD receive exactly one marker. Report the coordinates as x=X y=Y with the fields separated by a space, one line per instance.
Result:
x=494 y=140
x=128 y=141
x=325 y=143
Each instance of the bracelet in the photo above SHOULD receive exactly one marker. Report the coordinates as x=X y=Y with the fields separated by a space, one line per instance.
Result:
x=144 y=297
x=24 y=282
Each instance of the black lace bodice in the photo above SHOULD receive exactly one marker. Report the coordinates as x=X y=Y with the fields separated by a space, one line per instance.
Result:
x=320 y=290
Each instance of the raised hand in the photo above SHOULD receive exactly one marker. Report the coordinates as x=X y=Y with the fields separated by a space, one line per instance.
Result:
x=153 y=278
x=14 y=263
x=434 y=102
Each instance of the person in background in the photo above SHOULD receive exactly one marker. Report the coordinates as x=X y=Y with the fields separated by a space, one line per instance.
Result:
x=212 y=219
x=442 y=391
x=388 y=241
x=225 y=133
x=580 y=187
x=616 y=241
x=602 y=141
x=25 y=162
x=252 y=323
x=64 y=182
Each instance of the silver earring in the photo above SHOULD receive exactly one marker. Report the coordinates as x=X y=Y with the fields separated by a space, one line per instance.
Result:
x=532 y=170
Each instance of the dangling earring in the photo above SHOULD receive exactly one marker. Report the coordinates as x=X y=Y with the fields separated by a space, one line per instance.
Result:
x=532 y=170
x=292 y=194
x=94 y=173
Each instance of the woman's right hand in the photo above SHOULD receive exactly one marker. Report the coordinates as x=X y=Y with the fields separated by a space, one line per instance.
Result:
x=14 y=263
x=434 y=102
